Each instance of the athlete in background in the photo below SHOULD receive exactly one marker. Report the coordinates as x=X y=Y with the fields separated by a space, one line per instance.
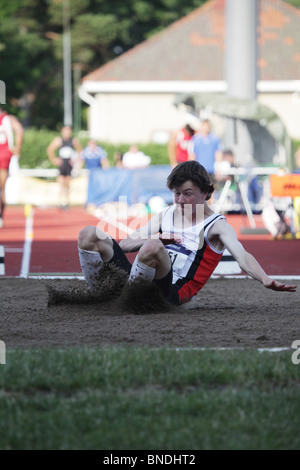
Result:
x=68 y=149
x=11 y=140
x=178 y=145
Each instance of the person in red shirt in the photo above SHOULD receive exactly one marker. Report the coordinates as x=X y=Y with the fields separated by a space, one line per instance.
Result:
x=11 y=139
x=178 y=145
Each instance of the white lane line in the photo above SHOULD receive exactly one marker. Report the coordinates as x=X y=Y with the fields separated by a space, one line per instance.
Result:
x=25 y=266
x=268 y=349
x=71 y=276
x=13 y=250
x=242 y=276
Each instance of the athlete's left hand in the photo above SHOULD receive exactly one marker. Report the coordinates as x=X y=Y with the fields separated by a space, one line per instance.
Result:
x=278 y=286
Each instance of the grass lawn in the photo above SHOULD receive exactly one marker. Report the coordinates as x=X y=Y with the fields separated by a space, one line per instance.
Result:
x=144 y=399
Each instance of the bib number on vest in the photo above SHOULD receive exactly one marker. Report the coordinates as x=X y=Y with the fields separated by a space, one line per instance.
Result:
x=178 y=255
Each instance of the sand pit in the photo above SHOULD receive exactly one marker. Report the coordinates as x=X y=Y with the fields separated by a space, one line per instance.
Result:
x=226 y=313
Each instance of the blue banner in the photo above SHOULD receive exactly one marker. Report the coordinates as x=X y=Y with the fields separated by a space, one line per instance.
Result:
x=136 y=185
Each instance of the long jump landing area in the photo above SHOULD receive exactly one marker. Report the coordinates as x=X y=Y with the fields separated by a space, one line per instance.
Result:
x=41 y=253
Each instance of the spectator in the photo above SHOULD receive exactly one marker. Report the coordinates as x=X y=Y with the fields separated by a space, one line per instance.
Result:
x=135 y=159
x=297 y=161
x=178 y=145
x=224 y=165
x=205 y=148
x=296 y=202
x=118 y=159
x=94 y=156
x=9 y=126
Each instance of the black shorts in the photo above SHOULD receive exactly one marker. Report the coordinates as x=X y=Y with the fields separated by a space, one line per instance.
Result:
x=65 y=168
x=168 y=289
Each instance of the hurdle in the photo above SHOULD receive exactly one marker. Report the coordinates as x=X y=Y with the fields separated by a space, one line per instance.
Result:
x=2 y=264
x=227 y=265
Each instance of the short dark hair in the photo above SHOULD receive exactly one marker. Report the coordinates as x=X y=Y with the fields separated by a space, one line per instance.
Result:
x=228 y=152
x=191 y=171
x=190 y=130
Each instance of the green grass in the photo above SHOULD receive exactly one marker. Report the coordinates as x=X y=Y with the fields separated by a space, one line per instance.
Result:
x=138 y=398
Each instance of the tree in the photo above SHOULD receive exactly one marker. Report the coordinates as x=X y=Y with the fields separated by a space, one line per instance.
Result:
x=31 y=45
x=31 y=33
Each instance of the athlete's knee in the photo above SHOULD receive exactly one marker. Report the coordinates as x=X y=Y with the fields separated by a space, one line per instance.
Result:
x=151 y=250
x=91 y=239
x=87 y=237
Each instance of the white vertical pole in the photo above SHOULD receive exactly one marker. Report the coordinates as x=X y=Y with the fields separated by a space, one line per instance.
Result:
x=68 y=119
x=241 y=48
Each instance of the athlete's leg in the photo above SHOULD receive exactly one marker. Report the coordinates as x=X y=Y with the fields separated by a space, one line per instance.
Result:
x=3 y=179
x=153 y=266
x=152 y=261
x=95 y=249
x=92 y=239
x=66 y=188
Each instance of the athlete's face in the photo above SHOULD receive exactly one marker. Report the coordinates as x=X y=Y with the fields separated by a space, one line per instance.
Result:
x=66 y=132
x=188 y=195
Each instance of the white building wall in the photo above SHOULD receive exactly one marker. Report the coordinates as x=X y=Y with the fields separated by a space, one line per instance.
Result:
x=287 y=106
x=140 y=117
x=136 y=117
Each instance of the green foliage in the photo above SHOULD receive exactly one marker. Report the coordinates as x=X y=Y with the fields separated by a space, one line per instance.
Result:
x=157 y=152
x=36 y=141
x=34 y=150
x=295 y=3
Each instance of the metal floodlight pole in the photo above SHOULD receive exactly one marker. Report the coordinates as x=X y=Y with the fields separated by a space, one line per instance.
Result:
x=67 y=66
x=241 y=78
x=241 y=48
x=241 y=68
x=77 y=101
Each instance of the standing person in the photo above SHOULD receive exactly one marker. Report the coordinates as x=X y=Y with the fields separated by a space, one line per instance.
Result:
x=178 y=249
x=205 y=148
x=11 y=140
x=178 y=145
x=118 y=159
x=296 y=201
x=94 y=156
x=135 y=159
x=68 y=149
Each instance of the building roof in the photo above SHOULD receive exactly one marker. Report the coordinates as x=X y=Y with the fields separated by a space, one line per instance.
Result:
x=193 y=48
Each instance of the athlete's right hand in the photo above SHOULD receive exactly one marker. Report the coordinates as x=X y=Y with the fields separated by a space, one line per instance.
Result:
x=168 y=238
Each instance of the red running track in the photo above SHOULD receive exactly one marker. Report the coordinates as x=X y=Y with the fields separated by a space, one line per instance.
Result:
x=55 y=232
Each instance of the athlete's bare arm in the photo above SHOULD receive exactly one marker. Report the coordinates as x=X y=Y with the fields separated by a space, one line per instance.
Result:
x=225 y=233
x=77 y=145
x=54 y=145
x=19 y=134
x=172 y=150
x=137 y=239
